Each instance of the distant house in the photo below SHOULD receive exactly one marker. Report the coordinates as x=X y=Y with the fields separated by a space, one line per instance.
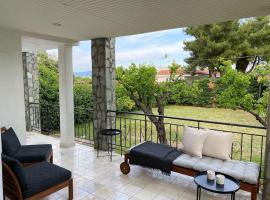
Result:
x=163 y=75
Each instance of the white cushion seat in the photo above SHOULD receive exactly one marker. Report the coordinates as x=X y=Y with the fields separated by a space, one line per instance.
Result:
x=244 y=171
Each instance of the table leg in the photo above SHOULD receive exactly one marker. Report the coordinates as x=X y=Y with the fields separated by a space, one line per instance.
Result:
x=198 y=193
x=233 y=196
x=121 y=143
x=97 y=144
x=111 y=147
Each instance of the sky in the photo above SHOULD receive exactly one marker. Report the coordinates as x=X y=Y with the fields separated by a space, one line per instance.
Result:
x=147 y=48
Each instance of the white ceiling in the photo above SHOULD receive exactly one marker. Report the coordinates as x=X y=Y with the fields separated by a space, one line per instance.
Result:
x=86 y=19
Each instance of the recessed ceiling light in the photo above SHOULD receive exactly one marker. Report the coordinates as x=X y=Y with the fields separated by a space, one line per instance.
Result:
x=57 y=24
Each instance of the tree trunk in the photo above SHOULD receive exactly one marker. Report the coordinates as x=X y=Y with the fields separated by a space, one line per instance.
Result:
x=266 y=186
x=161 y=133
x=157 y=121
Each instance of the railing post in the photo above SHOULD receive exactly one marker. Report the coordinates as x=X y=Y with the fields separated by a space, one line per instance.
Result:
x=266 y=186
x=145 y=128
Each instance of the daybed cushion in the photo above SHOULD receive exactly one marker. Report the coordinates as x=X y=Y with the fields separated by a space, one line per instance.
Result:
x=217 y=144
x=42 y=176
x=33 y=153
x=244 y=171
x=193 y=140
x=198 y=164
x=10 y=142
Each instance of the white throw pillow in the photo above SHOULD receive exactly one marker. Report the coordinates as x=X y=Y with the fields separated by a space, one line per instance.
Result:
x=193 y=140
x=218 y=144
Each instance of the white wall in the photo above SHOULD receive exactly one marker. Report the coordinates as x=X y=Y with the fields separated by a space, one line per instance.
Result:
x=12 y=110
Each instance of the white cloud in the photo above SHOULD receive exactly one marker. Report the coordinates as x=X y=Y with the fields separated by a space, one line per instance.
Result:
x=149 y=54
x=152 y=36
x=147 y=48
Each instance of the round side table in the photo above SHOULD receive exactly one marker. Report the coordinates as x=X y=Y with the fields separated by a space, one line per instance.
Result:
x=231 y=185
x=109 y=133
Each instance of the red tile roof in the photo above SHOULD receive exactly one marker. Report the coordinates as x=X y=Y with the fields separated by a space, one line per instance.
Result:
x=168 y=72
x=165 y=72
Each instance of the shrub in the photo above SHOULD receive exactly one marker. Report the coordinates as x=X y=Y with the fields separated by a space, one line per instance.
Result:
x=232 y=88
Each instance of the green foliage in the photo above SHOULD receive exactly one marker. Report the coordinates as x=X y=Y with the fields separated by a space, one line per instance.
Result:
x=123 y=101
x=243 y=43
x=212 y=42
x=48 y=92
x=174 y=68
x=205 y=93
x=182 y=93
x=232 y=88
x=140 y=83
x=197 y=93
x=262 y=74
x=256 y=33
x=83 y=99
x=262 y=103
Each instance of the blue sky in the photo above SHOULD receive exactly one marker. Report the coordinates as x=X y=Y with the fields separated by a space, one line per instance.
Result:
x=147 y=48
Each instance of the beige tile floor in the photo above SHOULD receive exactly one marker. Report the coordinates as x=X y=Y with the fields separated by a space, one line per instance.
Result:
x=99 y=179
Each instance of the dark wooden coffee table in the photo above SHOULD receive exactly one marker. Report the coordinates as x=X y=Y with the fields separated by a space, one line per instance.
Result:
x=231 y=185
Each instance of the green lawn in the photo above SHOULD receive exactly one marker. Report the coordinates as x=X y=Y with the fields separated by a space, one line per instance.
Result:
x=212 y=114
x=135 y=130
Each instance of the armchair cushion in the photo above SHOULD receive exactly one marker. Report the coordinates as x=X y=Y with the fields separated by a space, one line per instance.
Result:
x=42 y=176
x=33 y=153
x=10 y=142
x=17 y=169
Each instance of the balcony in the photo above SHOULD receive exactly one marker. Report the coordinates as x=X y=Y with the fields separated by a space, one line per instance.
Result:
x=98 y=178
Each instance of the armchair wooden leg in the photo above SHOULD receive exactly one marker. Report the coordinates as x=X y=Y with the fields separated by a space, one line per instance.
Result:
x=51 y=159
x=70 y=189
x=254 y=193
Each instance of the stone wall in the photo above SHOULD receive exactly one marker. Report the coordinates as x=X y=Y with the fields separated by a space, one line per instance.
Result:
x=31 y=90
x=103 y=78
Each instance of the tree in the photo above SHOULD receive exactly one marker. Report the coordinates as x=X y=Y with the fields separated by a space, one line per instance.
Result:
x=123 y=101
x=246 y=43
x=175 y=69
x=232 y=88
x=212 y=42
x=140 y=83
x=255 y=32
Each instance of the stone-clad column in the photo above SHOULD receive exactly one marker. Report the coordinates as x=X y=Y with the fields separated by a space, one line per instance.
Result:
x=266 y=186
x=31 y=90
x=66 y=96
x=103 y=78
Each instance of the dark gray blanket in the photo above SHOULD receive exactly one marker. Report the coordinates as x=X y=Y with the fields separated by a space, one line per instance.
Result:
x=155 y=156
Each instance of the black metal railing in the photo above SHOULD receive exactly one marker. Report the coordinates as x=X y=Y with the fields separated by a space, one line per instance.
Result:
x=34 y=116
x=84 y=128
x=249 y=140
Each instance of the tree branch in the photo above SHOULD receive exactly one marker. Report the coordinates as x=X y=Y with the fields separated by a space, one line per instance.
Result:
x=254 y=63
x=258 y=117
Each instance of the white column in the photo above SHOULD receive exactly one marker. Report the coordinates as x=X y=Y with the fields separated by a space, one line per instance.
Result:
x=66 y=96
